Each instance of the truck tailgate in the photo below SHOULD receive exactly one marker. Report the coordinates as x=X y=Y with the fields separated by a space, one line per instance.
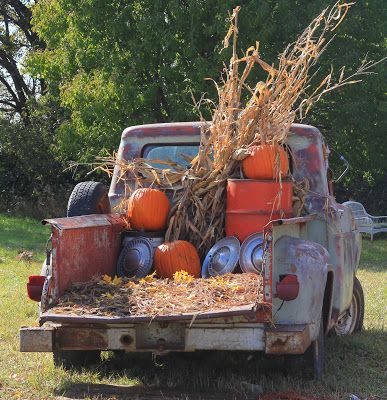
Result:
x=240 y=328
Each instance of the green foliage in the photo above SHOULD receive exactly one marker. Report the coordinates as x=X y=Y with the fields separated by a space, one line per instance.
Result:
x=114 y=63
x=119 y=64
x=32 y=177
x=354 y=120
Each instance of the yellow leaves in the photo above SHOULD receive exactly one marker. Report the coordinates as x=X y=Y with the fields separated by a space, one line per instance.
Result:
x=148 y=279
x=116 y=280
x=130 y=284
x=182 y=277
x=219 y=281
x=237 y=289
x=108 y=279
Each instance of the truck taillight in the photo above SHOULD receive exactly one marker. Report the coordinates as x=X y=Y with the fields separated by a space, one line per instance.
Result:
x=35 y=287
x=288 y=287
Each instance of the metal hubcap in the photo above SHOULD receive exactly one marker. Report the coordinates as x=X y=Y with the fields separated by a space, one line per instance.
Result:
x=347 y=322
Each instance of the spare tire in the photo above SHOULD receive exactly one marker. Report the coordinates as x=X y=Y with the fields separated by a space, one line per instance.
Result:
x=88 y=198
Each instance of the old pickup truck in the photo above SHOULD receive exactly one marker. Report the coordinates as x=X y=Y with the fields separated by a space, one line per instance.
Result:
x=319 y=250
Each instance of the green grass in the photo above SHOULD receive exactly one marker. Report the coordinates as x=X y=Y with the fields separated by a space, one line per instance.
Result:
x=355 y=364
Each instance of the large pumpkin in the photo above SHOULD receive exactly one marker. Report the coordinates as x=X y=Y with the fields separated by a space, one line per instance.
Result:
x=266 y=162
x=176 y=256
x=148 y=210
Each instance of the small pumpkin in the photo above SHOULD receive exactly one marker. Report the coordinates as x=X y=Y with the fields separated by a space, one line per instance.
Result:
x=261 y=163
x=176 y=256
x=148 y=210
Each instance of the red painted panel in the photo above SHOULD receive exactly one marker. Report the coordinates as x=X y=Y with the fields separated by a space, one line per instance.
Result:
x=83 y=247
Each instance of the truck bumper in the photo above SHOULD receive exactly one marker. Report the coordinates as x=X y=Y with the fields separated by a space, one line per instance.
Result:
x=162 y=337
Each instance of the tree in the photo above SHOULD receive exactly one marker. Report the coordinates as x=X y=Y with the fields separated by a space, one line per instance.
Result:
x=17 y=39
x=114 y=63
x=29 y=167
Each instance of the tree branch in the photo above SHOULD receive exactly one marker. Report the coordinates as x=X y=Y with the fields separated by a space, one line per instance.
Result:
x=9 y=88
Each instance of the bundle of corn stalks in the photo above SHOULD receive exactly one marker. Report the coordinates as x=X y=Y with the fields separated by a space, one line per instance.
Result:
x=151 y=297
x=245 y=115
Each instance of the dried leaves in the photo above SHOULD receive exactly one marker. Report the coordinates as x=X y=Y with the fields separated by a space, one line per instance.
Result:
x=151 y=297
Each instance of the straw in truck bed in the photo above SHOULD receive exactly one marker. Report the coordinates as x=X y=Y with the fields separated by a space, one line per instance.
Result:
x=150 y=297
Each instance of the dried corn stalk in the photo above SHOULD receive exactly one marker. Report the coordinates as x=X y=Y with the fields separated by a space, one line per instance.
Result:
x=265 y=117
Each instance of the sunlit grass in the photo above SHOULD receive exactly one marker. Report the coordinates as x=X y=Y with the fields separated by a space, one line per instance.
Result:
x=354 y=364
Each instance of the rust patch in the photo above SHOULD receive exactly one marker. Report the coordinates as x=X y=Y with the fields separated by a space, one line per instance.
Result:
x=279 y=344
x=81 y=338
x=162 y=129
x=291 y=340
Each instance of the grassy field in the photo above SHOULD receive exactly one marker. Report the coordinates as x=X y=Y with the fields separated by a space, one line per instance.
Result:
x=355 y=365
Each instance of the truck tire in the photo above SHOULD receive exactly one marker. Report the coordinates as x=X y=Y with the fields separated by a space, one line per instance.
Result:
x=88 y=198
x=352 y=321
x=76 y=359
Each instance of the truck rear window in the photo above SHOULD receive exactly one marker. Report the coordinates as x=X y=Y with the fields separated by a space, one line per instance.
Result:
x=181 y=154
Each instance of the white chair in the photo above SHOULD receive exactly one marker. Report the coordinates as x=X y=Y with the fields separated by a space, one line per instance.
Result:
x=365 y=222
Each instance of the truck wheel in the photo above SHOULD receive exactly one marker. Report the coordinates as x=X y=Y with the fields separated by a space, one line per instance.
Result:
x=88 y=198
x=76 y=359
x=352 y=321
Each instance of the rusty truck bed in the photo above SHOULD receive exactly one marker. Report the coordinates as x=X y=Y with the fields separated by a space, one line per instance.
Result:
x=244 y=328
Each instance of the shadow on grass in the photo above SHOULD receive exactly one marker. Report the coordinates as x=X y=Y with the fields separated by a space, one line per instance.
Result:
x=354 y=365
x=199 y=375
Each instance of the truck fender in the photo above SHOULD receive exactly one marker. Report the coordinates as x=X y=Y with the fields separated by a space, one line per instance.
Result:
x=309 y=262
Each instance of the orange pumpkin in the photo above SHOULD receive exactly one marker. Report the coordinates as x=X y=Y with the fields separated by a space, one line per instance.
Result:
x=148 y=210
x=176 y=256
x=261 y=163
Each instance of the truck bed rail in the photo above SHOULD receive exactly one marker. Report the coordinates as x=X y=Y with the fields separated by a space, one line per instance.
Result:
x=247 y=313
